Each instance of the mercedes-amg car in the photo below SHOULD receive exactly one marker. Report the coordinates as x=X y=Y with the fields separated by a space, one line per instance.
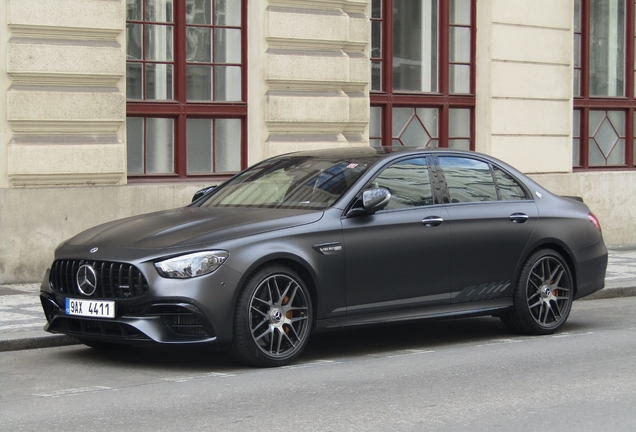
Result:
x=327 y=239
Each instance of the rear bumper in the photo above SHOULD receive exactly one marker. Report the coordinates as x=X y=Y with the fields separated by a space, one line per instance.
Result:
x=591 y=265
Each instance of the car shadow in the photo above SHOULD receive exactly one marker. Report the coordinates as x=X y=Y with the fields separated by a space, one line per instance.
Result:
x=381 y=340
x=389 y=339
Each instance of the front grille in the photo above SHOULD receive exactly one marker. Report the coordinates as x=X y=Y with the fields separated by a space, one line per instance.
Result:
x=84 y=327
x=114 y=280
x=180 y=320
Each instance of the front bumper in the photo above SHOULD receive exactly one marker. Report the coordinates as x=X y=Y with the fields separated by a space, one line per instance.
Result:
x=172 y=311
x=155 y=322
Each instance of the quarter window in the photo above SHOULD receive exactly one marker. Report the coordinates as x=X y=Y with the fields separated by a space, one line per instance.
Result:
x=509 y=189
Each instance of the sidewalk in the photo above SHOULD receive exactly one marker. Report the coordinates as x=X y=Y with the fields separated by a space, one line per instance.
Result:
x=22 y=319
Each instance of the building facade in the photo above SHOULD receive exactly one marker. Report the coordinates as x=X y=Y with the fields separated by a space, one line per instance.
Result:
x=113 y=108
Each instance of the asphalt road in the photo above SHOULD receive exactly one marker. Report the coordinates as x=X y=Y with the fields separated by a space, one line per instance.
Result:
x=455 y=375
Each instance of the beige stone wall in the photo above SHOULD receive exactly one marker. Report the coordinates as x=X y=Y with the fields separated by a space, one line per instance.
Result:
x=308 y=76
x=65 y=92
x=5 y=132
x=524 y=83
x=33 y=221
x=524 y=106
x=62 y=109
x=316 y=74
x=610 y=195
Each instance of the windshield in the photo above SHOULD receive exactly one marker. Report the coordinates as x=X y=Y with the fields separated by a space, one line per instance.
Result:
x=301 y=182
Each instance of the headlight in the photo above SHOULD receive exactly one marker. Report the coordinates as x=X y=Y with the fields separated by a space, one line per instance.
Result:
x=192 y=265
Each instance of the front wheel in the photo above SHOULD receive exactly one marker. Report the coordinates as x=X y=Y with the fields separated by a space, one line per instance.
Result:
x=543 y=297
x=273 y=318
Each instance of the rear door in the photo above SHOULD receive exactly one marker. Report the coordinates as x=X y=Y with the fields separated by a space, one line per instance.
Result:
x=491 y=220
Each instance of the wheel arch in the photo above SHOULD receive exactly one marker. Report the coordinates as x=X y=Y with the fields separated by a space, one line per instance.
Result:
x=556 y=246
x=295 y=263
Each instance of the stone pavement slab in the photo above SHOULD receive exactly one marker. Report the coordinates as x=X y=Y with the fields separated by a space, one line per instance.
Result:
x=20 y=309
x=22 y=319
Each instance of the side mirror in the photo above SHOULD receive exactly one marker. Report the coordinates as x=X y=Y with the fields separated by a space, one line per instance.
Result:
x=372 y=200
x=198 y=194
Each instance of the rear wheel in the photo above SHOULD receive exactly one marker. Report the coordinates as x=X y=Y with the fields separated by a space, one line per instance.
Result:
x=273 y=318
x=543 y=297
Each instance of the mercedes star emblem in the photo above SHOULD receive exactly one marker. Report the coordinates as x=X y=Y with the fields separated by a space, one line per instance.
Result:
x=86 y=280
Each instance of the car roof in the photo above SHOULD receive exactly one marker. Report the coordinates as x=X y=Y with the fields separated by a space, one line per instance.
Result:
x=373 y=152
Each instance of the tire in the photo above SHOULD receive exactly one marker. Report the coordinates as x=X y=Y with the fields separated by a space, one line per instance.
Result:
x=543 y=296
x=273 y=318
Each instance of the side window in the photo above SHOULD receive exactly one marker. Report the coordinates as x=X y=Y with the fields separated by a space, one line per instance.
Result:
x=468 y=180
x=409 y=183
x=509 y=189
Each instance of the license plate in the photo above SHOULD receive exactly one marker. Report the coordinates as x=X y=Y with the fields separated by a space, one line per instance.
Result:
x=90 y=308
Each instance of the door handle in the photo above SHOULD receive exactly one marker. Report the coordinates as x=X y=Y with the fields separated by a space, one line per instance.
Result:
x=519 y=218
x=432 y=221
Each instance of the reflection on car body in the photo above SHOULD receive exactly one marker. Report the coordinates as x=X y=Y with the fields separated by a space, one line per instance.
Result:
x=325 y=239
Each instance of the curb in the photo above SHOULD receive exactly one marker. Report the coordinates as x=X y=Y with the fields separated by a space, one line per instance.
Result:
x=613 y=292
x=20 y=341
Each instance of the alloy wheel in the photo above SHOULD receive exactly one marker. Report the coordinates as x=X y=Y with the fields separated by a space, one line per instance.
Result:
x=279 y=316
x=549 y=292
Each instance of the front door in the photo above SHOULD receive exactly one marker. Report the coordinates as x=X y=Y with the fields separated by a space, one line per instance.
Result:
x=399 y=257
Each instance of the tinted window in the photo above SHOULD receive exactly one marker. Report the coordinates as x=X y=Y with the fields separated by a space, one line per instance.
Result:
x=468 y=180
x=409 y=184
x=508 y=187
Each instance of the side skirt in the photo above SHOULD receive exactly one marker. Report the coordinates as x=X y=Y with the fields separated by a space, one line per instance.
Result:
x=490 y=307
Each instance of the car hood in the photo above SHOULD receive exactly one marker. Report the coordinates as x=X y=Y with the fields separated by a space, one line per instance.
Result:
x=189 y=226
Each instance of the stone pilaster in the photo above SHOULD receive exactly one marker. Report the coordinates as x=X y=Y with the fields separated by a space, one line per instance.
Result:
x=316 y=74
x=524 y=83
x=65 y=100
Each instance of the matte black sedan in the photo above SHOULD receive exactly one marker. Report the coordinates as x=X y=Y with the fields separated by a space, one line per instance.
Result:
x=325 y=239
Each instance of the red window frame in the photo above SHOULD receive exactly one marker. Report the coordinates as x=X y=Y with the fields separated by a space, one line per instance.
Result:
x=584 y=103
x=388 y=98
x=179 y=109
